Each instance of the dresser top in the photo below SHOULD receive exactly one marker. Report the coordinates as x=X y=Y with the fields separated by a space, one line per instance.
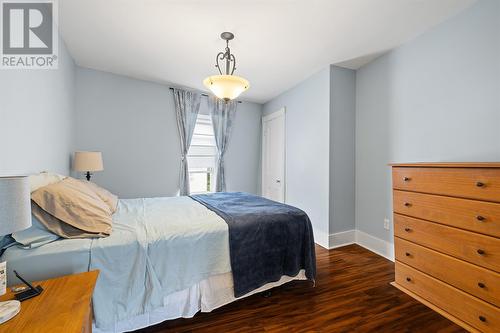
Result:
x=448 y=164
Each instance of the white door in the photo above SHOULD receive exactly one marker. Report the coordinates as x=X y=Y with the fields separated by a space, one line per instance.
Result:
x=273 y=156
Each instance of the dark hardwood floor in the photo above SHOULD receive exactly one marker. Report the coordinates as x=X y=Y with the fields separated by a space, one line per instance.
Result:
x=352 y=294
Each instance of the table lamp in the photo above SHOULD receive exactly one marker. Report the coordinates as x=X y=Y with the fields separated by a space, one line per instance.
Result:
x=15 y=215
x=88 y=161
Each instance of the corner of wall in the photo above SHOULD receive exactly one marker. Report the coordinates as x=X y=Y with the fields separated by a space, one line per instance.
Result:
x=376 y=245
x=342 y=149
x=354 y=236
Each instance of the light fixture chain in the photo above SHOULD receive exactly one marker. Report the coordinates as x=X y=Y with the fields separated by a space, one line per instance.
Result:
x=228 y=57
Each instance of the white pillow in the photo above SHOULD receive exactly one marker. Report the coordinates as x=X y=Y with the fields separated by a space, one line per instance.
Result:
x=42 y=179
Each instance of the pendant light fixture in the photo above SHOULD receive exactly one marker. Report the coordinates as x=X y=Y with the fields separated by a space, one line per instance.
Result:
x=226 y=86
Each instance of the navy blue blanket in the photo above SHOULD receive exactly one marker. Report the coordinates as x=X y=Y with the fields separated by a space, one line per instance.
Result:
x=267 y=239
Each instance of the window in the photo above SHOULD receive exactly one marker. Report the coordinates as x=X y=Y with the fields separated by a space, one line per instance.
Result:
x=201 y=157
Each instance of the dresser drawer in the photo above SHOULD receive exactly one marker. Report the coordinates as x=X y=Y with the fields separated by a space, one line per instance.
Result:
x=475 y=280
x=475 y=248
x=473 y=215
x=473 y=183
x=485 y=317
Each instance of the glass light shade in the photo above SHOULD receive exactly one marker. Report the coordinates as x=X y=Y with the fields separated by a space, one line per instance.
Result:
x=226 y=87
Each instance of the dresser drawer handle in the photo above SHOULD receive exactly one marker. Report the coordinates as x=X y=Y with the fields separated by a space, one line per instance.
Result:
x=480 y=218
x=407 y=204
x=480 y=184
x=407 y=254
x=408 y=279
x=482 y=318
x=481 y=252
x=481 y=285
x=406 y=179
x=407 y=229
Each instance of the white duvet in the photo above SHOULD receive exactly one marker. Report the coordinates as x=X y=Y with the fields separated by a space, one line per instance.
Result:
x=158 y=246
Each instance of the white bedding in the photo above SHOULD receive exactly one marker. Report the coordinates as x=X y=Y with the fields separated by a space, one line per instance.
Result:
x=158 y=246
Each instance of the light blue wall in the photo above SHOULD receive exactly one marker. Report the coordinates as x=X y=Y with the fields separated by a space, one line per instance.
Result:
x=436 y=98
x=342 y=156
x=133 y=123
x=243 y=153
x=37 y=118
x=307 y=146
x=320 y=124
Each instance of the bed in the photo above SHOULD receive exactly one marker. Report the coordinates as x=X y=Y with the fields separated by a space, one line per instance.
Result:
x=172 y=257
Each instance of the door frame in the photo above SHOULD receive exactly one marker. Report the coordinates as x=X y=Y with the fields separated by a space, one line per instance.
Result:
x=279 y=113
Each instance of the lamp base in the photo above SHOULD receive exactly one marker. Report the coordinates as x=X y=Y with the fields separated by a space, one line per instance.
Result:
x=8 y=310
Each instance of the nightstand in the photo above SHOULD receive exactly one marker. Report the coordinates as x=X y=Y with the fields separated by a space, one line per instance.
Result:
x=65 y=305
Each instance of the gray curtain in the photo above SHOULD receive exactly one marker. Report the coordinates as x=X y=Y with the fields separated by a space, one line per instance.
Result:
x=222 y=114
x=187 y=105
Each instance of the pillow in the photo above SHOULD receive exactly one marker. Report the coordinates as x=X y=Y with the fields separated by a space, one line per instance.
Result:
x=58 y=227
x=109 y=198
x=74 y=203
x=43 y=179
x=35 y=236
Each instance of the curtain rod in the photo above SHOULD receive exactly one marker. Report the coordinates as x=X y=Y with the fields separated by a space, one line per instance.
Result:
x=205 y=95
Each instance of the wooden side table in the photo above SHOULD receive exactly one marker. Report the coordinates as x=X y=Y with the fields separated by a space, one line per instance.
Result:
x=65 y=305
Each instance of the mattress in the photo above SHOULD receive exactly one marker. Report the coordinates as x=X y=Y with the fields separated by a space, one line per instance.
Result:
x=62 y=257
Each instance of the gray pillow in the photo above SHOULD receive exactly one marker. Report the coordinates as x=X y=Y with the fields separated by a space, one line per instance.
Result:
x=35 y=236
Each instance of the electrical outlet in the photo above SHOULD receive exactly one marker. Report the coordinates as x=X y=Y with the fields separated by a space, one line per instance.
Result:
x=387 y=224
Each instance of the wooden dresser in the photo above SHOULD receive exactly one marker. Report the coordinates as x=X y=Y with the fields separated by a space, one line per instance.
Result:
x=447 y=239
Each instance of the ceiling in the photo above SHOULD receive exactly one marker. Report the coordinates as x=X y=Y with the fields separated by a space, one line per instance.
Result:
x=278 y=42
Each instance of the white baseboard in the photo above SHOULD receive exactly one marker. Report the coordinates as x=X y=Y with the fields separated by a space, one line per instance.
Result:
x=374 y=244
x=369 y=242
x=341 y=239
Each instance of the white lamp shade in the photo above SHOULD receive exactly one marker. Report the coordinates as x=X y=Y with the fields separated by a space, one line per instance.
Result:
x=15 y=204
x=88 y=161
x=226 y=86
